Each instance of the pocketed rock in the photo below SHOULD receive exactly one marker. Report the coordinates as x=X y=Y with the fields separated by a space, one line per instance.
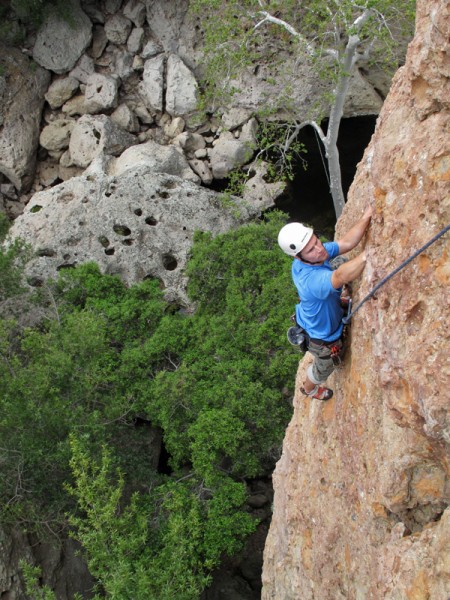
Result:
x=94 y=135
x=137 y=225
x=101 y=93
x=21 y=103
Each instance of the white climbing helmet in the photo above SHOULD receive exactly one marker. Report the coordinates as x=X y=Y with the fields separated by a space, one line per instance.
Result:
x=293 y=237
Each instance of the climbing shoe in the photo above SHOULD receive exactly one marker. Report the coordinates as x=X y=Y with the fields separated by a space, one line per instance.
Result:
x=319 y=393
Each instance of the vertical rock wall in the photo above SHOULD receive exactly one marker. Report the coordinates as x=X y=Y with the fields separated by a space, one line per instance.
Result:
x=362 y=486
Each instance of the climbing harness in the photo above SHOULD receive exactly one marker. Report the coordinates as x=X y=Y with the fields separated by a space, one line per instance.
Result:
x=350 y=313
x=297 y=336
x=336 y=352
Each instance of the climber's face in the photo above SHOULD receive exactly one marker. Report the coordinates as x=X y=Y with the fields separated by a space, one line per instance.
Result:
x=314 y=252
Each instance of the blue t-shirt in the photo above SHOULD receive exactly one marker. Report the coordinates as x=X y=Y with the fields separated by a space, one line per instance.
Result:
x=319 y=311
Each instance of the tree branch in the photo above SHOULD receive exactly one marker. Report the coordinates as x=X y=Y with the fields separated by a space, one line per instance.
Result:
x=268 y=18
x=362 y=19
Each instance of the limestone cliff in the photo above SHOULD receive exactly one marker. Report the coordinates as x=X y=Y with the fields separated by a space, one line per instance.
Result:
x=362 y=486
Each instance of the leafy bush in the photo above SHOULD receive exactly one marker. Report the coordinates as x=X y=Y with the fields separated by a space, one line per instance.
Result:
x=212 y=381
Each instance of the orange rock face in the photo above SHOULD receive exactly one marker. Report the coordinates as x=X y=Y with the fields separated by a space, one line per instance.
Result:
x=362 y=487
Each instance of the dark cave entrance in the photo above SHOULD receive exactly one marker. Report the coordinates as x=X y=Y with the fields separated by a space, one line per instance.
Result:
x=307 y=197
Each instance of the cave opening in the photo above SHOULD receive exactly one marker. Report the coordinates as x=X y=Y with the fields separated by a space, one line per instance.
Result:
x=307 y=197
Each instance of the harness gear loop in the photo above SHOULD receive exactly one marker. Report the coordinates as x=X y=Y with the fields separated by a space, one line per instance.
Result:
x=336 y=352
x=346 y=319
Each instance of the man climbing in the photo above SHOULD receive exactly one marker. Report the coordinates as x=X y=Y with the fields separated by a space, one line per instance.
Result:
x=320 y=311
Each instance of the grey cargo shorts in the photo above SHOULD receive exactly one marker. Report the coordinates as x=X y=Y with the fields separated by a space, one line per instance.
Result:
x=323 y=364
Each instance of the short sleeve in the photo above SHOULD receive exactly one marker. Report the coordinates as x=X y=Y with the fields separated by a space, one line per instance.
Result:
x=332 y=248
x=320 y=284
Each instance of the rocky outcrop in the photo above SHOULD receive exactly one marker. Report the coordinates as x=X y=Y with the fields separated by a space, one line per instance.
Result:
x=138 y=64
x=137 y=224
x=60 y=560
x=22 y=89
x=362 y=487
x=60 y=41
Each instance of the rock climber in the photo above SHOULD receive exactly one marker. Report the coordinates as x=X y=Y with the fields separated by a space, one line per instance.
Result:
x=319 y=312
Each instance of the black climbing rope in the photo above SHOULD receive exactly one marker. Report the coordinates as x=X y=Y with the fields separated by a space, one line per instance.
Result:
x=346 y=319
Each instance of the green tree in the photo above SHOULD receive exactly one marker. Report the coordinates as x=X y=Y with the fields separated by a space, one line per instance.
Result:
x=159 y=546
x=335 y=36
x=213 y=381
x=69 y=374
x=227 y=379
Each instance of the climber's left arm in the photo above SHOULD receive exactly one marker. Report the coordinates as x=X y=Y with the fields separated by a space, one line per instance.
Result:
x=352 y=238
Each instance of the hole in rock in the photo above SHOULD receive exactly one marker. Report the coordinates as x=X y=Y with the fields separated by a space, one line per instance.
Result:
x=169 y=262
x=307 y=197
x=109 y=251
x=164 y=195
x=103 y=241
x=416 y=314
x=36 y=208
x=122 y=230
x=175 y=307
x=138 y=212
x=170 y=185
x=162 y=285
x=66 y=266
x=128 y=242
x=151 y=221
x=45 y=252
x=35 y=282
x=164 y=461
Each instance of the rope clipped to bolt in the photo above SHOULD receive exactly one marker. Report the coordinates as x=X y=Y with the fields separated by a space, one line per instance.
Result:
x=346 y=319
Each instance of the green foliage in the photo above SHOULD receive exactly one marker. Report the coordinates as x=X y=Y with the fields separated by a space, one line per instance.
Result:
x=12 y=262
x=236 y=32
x=212 y=381
x=161 y=545
x=35 y=11
x=73 y=374
x=281 y=155
x=331 y=36
x=4 y=226
x=235 y=361
x=33 y=588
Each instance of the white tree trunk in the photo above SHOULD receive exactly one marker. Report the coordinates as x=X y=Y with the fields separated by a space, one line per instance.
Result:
x=336 y=113
x=346 y=64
